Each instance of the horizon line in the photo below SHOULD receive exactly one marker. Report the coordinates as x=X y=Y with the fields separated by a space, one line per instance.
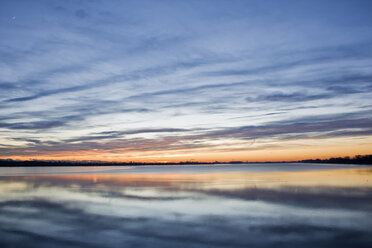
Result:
x=351 y=158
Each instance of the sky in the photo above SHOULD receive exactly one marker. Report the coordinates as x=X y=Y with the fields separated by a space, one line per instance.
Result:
x=168 y=81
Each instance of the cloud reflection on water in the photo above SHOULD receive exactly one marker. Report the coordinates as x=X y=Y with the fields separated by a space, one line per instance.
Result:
x=287 y=209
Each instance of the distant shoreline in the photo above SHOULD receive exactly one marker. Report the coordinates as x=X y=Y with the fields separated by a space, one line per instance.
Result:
x=359 y=159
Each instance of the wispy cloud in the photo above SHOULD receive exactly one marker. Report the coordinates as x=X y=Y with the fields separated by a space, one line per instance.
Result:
x=182 y=139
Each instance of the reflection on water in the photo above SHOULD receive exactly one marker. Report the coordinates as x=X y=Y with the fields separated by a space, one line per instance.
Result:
x=196 y=208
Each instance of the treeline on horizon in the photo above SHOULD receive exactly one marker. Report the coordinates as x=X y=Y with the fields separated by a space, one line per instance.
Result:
x=359 y=159
x=16 y=163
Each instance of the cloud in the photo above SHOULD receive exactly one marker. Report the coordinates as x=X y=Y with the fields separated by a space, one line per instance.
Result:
x=307 y=58
x=187 y=91
x=39 y=125
x=7 y=86
x=305 y=128
x=113 y=141
x=52 y=92
x=119 y=134
x=289 y=97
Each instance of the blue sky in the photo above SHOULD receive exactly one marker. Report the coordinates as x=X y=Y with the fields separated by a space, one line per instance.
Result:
x=181 y=80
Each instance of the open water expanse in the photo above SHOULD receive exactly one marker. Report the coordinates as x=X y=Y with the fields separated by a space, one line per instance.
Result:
x=252 y=205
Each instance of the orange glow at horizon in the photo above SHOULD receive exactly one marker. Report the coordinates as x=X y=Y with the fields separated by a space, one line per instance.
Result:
x=292 y=150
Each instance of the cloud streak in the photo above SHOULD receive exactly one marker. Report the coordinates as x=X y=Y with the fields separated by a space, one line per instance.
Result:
x=114 y=142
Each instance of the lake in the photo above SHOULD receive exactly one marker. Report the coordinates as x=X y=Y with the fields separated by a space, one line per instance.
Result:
x=242 y=205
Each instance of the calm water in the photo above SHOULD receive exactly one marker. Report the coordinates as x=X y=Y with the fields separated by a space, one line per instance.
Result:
x=274 y=205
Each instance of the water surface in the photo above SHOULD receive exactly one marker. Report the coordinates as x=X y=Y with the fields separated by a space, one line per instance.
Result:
x=262 y=205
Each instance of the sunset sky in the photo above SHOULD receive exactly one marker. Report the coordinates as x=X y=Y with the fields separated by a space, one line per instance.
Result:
x=161 y=81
